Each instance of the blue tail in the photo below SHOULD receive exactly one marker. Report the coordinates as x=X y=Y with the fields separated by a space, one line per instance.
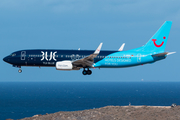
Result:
x=157 y=42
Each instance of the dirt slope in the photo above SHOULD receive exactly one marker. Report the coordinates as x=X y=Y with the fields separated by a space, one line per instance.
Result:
x=116 y=113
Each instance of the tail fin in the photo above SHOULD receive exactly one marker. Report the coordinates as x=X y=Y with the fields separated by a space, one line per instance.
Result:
x=158 y=41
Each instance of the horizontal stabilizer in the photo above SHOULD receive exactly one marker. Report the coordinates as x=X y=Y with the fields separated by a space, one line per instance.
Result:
x=163 y=54
x=171 y=53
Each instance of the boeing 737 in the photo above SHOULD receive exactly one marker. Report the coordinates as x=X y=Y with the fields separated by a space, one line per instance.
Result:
x=152 y=51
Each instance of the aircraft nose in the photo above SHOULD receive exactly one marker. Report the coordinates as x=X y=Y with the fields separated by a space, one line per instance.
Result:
x=5 y=59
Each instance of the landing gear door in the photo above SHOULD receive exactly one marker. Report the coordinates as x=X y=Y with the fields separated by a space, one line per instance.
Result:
x=23 y=55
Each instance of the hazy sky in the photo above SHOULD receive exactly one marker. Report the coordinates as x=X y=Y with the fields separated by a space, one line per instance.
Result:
x=73 y=24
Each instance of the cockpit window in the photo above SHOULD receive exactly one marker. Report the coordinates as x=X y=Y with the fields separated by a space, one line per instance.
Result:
x=13 y=54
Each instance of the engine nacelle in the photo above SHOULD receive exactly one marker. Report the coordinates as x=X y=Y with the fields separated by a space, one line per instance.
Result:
x=64 y=65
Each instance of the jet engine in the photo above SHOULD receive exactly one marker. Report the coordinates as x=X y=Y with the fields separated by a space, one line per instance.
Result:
x=65 y=65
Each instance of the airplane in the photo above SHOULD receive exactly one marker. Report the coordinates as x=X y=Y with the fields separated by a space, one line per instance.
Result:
x=69 y=60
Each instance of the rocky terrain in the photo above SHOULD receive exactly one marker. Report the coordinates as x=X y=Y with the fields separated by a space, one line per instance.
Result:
x=116 y=113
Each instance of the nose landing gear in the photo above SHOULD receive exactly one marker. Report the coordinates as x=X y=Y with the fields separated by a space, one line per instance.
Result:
x=20 y=71
x=86 y=72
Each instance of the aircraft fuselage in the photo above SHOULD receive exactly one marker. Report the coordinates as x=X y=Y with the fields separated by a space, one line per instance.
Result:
x=107 y=59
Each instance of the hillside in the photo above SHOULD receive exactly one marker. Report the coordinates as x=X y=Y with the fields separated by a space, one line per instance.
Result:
x=116 y=112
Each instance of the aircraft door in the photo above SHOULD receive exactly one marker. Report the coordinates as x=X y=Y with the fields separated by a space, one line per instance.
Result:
x=138 y=57
x=23 y=55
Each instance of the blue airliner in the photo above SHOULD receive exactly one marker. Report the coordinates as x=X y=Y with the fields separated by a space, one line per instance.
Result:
x=151 y=52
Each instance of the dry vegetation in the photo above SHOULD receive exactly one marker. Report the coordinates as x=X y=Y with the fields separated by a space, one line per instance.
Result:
x=116 y=113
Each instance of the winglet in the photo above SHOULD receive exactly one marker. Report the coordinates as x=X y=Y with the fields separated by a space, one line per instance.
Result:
x=98 y=49
x=122 y=47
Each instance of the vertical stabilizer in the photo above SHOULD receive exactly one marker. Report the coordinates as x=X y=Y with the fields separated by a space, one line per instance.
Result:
x=157 y=42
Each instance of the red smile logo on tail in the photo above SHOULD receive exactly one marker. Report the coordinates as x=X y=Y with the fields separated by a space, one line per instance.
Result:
x=160 y=44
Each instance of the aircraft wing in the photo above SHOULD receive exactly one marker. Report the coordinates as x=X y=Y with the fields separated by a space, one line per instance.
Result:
x=88 y=61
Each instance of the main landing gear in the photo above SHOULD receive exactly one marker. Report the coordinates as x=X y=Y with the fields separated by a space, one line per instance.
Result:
x=20 y=71
x=86 y=72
